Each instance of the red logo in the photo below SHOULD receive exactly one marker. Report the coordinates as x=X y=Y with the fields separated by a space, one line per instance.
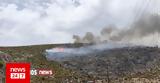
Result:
x=18 y=73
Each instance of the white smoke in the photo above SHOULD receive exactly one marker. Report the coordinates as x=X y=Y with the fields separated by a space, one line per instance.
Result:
x=63 y=53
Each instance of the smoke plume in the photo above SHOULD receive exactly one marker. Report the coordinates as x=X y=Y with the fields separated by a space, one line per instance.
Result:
x=88 y=38
x=144 y=27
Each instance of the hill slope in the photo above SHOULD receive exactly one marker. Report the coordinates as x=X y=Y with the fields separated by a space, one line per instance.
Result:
x=123 y=64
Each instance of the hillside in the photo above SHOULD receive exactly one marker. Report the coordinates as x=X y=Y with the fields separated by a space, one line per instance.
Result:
x=123 y=64
x=128 y=62
x=34 y=54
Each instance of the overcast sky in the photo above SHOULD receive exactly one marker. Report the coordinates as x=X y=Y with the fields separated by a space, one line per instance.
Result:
x=26 y=22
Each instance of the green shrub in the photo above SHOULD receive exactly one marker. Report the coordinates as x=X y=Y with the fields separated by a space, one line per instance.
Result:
x=1 y=63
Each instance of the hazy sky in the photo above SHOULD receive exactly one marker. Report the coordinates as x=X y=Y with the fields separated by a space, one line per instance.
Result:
x=25 y=22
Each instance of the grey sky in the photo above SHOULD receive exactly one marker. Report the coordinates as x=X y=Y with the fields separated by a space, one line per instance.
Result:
x=25 y=22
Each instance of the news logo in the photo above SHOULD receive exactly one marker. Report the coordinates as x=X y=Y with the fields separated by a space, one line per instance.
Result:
x=42 y=72
x=18 y=73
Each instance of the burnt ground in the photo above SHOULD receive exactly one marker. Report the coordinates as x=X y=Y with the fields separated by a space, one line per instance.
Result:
x=115 y=63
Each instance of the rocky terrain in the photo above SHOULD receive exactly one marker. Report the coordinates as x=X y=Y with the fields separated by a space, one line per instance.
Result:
x=121 y=65
x=118 y=62
x=3 y=59
x=112 y=64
